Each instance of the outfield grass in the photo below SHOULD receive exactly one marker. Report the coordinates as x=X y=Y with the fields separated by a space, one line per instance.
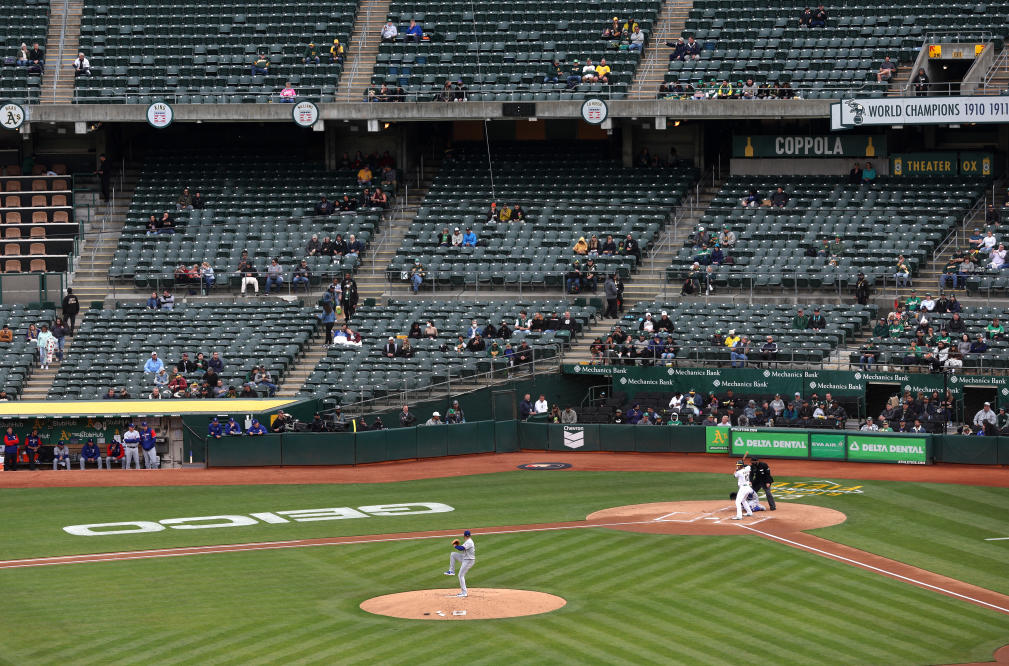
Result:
x=632 y=599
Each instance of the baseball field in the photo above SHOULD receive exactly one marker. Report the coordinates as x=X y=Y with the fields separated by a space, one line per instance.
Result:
x=273 y=566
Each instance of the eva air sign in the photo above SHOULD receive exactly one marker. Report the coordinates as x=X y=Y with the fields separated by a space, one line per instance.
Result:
x=904 y=450
x=776 y=443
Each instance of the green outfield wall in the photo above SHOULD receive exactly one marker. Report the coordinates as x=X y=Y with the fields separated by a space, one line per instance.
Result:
x=348 y=448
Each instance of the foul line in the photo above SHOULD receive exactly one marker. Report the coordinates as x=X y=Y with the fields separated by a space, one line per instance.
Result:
x=267 y=545
x=864 y=565
x=998 y=539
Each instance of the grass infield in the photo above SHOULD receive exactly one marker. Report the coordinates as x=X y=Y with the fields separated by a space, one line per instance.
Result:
x=632 y=598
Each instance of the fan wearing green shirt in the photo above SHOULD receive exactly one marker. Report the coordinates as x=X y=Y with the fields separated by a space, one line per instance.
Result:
x=880 y=329
x=913 y=303
x=801 y=321
x=896 y=329
x=995 y=330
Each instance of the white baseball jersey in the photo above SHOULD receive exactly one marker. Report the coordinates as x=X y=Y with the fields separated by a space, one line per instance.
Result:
x=743 y=476
x=469 y=552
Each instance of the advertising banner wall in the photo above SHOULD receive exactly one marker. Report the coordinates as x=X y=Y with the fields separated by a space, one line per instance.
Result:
x=882 y=448
x=775 y=443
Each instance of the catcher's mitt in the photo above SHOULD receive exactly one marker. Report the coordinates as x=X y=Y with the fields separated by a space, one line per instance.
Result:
x=455 y=542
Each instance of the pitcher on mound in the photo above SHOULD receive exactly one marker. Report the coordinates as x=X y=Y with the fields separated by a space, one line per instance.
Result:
x=464 y=556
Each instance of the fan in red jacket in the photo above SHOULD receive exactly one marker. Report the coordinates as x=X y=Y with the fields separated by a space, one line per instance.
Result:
x=115 y=452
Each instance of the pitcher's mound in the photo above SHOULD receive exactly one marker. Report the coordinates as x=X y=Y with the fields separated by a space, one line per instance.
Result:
x=483 y=603
x=715 y=517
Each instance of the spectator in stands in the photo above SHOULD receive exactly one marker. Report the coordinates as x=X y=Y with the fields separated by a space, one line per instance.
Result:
x=902 y=275
x=602 y=72
x=434 y=420
x=738 y=353
x=364 y=176
x=311 y=55
x=264 y=381
x=769 y=351
x=247 y=272
x=637 y=41
x=998 y=258
x=161 y=378
x=748 y=89
x=6 y=334
x=574 y=76
x=417 y=274
x=869 y=352
x=779 y=198
x=612 y=31
x=692 y=49
x=886 y=70
x=274 y=275
x=817 y=321
x=679 y=49
x=302 y=275
x=414 y=33
x=389 y=32
x=166 y=301
x=589 y=71
x=336 y=52
x=82 y=66
x=185 y=201
x=985 y=416
x=21 y=59
x=554 y=73
x=819 y=18
x=288 y=94
x=260 y=66
x=153 y=365
x=36 y=59
x=921 y=83
x=166 y=225
x=868 y=174
x=469 y=238
x=806 y=17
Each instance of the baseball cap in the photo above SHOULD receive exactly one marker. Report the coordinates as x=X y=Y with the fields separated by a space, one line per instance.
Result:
x=435 y=414
x=466 y=533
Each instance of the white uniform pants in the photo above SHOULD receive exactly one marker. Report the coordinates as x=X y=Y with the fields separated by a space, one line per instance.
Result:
x=151 y=458
x=460 y=566
x=131 y=454
x=250 y=281
x=742 y=493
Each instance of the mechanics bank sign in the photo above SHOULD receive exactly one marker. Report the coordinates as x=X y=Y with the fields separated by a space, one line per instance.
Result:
x=260 y=518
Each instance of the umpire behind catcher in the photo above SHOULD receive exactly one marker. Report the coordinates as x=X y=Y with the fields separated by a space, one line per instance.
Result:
x=761 y=479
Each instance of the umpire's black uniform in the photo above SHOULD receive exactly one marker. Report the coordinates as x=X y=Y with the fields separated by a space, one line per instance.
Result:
x=761 y=479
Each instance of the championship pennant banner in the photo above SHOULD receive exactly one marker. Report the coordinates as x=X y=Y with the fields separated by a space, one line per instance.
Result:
x=888 y=111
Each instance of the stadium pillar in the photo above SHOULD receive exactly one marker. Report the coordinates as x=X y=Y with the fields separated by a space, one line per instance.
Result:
x=627 y=144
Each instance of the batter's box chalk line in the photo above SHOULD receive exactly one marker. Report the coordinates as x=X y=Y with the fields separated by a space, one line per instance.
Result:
x=706 y=515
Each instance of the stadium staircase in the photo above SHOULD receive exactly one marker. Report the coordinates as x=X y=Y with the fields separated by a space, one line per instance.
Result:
x=898 y=83
x=90 y=279
x=295 y=377
x=652 y=71
x=62 y=39
x=363 y=50
x=39 y=380
x=371 y=275
x=650 y=280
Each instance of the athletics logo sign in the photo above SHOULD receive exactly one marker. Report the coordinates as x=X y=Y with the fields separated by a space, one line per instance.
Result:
x=12 y=116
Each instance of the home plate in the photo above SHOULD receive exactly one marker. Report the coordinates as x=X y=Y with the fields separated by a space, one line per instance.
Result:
x=713 y=517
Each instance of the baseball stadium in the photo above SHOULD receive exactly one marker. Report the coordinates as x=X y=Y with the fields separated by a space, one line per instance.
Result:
x=670 y=331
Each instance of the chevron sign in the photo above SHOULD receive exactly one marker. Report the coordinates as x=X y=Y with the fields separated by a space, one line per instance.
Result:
x=574 y=437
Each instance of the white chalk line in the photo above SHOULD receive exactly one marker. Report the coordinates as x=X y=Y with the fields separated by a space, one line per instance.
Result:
x=864 y=565
x=998 y=539
x=671 y=513
x=266 y=545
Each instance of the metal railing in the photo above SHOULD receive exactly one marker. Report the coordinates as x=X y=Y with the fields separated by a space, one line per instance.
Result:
x=1000 y=64
x=361 y=41
x=957 y=235
x=59 y=58
x=397 y=397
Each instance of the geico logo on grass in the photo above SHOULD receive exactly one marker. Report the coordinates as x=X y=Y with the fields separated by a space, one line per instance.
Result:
x=269 y=517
